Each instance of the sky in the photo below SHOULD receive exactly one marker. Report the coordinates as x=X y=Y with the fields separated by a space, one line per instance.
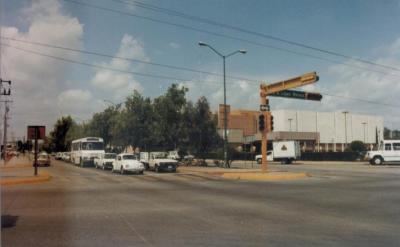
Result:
x=49 y=82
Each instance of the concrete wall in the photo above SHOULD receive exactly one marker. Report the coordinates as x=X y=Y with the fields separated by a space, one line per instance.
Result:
x=334 y=127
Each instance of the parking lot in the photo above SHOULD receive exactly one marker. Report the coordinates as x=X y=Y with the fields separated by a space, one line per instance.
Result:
x=341 y=204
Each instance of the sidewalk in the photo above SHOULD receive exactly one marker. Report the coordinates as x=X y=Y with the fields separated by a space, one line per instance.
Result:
x=20 y=171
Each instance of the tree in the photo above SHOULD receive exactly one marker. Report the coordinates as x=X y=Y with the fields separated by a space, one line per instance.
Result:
x=75 y=131
x=168 y=114
x=203 y=131
x=58 y=135
x=139 y=121
x=357 y=146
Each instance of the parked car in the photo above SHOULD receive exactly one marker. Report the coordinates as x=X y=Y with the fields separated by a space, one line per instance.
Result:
x=66 y=157
x=43 y=159
x=105 y=161
x=126 y=163
x=387 y=151
x=284 y=151
x=58 y=156
x=158 y=162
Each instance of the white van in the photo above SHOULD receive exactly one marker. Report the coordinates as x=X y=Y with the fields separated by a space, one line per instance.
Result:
x=387 y=151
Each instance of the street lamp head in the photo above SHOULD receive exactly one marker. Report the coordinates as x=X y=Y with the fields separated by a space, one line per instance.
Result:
x=243 y=51
x=202 y=43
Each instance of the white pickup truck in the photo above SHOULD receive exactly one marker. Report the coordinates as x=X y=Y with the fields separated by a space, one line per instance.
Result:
x=284 y=151
x=158 y=161
x=388 y=151
x=105 y=161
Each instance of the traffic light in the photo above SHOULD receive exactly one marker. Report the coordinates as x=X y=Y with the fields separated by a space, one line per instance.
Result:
x=271 y=123
x=261 y=122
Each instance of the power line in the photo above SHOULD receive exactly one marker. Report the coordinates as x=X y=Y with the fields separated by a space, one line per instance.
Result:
x=121 y=58
x=173 y=78
x=255 y=33
x=106 y=68
x=227 y=37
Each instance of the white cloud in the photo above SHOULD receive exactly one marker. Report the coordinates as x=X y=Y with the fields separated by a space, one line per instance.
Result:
x=37 y=80
x=121 y=84
x=77 y=102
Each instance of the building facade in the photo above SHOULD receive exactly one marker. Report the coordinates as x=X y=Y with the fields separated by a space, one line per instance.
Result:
x=316 y=131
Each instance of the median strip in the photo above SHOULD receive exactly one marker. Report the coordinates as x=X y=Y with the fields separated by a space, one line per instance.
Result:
x=42 y=177
x=262 y=176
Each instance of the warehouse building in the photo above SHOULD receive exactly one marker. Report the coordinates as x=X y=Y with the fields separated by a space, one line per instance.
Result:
x=316 y=131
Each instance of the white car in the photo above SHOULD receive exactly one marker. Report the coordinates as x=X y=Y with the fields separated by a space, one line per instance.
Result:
x=125 y=163
x=105 y=161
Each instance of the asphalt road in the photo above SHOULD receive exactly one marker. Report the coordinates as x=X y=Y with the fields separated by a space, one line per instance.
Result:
x=341 y=205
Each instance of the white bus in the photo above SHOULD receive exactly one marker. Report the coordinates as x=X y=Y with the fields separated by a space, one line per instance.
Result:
x=84 y=150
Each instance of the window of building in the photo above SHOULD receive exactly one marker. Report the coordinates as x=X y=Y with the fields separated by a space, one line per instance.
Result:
x=388 y=146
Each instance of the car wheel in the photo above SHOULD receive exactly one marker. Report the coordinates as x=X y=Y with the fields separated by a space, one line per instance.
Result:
x=378 y=160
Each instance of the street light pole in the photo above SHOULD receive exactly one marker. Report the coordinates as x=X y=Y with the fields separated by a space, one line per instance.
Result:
x=345 y=127
x=364 y=123
x=225 y=111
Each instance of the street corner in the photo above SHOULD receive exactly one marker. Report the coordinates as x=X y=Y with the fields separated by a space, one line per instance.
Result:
x=265 y=176
x=42 y=177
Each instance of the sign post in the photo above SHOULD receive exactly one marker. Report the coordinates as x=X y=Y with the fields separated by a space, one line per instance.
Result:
x=35 y=133
x=281 y=89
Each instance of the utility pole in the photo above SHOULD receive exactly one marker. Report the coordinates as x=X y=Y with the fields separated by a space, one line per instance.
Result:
x=6 y=110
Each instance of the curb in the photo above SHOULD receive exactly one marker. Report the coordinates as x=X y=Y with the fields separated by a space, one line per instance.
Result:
x=42 y=177
x=264 y=176
x=14 y=166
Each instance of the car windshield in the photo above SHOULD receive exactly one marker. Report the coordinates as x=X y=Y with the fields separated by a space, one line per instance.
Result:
x=43 y=156
x=129 y=157
x=110 y=156
x=92 y=146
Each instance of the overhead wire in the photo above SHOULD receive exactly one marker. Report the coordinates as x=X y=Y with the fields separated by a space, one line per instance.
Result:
x=227 y=37
x=174 y=78
x=106 y=68
x=252 y=32
x=121 y=58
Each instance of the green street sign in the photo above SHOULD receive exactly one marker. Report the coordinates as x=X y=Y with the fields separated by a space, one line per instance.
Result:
x=298 y=95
